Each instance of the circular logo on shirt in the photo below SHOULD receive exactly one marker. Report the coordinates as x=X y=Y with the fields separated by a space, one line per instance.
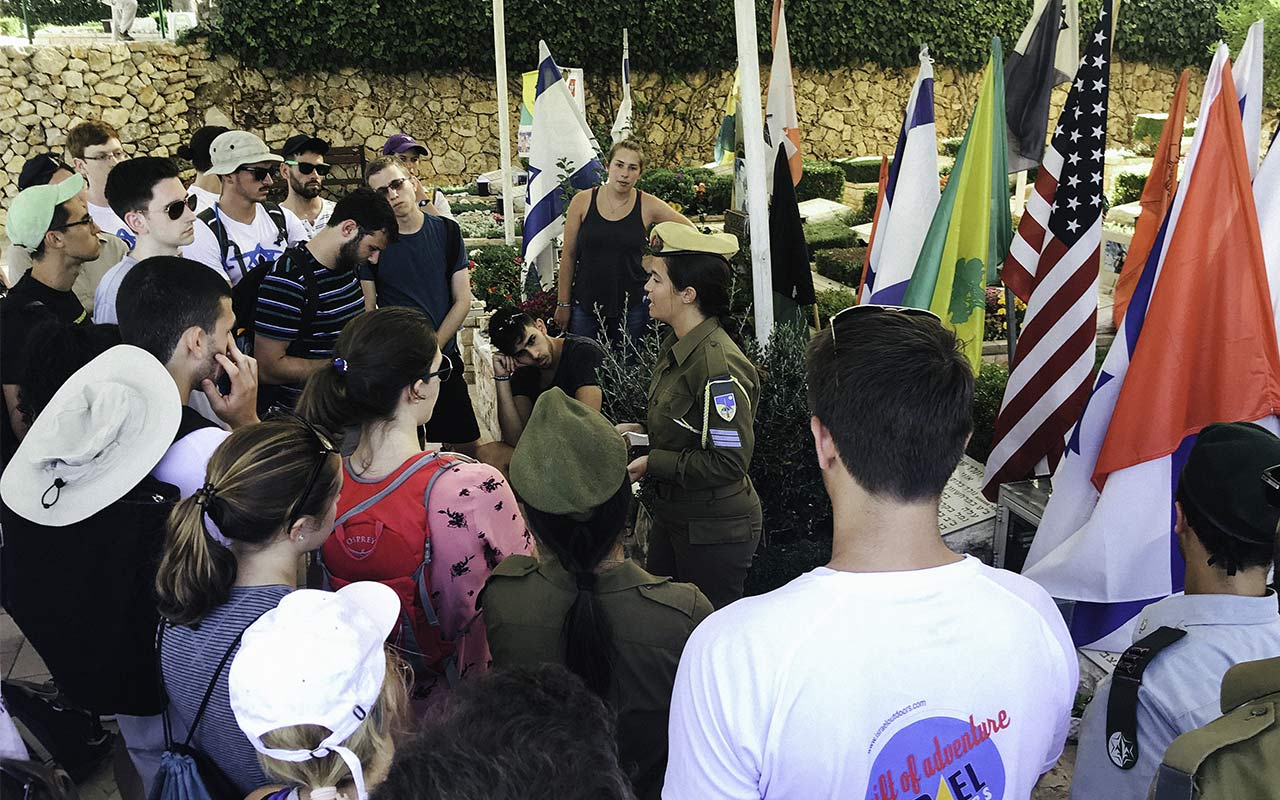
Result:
x=941 y=758
x=1121 y=750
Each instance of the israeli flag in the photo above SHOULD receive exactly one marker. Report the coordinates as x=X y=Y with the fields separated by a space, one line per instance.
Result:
x=561 y=147
x=910 y=197
x=1247 y=72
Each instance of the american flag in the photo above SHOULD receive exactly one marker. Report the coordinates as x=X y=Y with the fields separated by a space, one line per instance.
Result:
x=1053 y=267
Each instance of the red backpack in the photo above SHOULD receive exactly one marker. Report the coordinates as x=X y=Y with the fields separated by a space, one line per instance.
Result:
x=374 y=540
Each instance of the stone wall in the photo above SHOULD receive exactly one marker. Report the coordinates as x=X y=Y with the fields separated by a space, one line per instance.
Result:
x=157 y=93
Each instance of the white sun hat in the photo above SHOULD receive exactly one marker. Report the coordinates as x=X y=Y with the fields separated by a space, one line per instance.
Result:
x=104 y=430
x=315 y=659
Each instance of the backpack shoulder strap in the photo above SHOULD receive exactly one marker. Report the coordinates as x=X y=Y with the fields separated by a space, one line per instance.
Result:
x=226 y=245
x=277 y=216
x=217 y=673
x=359 y=508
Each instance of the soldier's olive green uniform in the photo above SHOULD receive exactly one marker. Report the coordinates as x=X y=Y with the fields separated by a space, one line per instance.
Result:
x=1237 y=756
x=706 y=516
x=525 y=602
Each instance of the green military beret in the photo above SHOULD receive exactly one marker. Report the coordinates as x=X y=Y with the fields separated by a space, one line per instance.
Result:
x=569 y=459
x=1223 y=479
x=671 y=238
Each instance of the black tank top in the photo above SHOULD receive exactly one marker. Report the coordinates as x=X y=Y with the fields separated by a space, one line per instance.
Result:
x=609 y=273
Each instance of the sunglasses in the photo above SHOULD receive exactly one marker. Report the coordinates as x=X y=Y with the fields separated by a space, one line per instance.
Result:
x=397 y=186
x=446 y=369
x=307 y=169
x=326 y=449
x=175 y=209
x=259 y=174
x=1271 y=485
x=71 y=225
x=869 y=309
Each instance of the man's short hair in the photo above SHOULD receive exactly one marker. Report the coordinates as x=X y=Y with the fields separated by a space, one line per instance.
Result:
x=380 y=164
x=131 y=184
x=61 y=216
x=87 y=134
x=370 y=210
x=897 y=396
x=507 y=327
x=162 y=297
x=534 y=731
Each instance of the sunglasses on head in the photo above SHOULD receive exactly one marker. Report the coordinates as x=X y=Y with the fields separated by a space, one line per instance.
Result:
x=325 y=449
x=397 y=186
x=307 y=169
x=259 y=174
x=867 y=310
x=174 y=209
x=1271 y=485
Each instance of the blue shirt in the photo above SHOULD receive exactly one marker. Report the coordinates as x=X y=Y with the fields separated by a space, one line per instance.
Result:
x=1181 y=687
x=413 y=272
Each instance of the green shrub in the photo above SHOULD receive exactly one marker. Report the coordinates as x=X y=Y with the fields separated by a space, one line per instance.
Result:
x=719 y=194
x=820 y=179
x=11 y=26
x=867 y=212
x=864 y=169
x=1128 y=187
x=668 y=186
x=829 y=233
x=57 y=12
x=988 y=393
x=950 y=147
x=1235 y=18
x=842 y=264
x=495 y=275
x=462 y=206
x=783 y=561
x=833 y=301
x=1174 y=33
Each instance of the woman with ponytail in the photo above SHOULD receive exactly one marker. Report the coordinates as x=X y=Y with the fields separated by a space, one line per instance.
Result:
x=233 y=553
x=430 y=525
x=584 y=604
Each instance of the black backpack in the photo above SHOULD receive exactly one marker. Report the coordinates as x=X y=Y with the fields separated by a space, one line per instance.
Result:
x=64 y=741
x=84 y=596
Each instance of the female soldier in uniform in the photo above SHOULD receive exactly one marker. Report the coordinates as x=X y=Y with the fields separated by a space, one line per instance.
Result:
x=583 y=604
x=702 y=402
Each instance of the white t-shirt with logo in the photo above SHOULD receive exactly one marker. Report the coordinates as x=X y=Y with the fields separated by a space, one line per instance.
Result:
x=257 y=242
x=950 y=682
x=111 y=223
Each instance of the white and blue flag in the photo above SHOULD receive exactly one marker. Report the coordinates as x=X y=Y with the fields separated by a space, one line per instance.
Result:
x=561 y=148
x=1247 y=72
x=622 y=122
x=910 y=197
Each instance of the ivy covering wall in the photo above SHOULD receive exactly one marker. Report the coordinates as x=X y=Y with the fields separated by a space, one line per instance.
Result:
x=670 y=36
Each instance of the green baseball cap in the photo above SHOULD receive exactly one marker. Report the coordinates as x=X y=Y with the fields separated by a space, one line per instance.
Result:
x=570 y=459
x=31 y=212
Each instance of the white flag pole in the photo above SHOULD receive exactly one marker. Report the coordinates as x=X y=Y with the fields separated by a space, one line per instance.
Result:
x=504 y=121
x=756 y=159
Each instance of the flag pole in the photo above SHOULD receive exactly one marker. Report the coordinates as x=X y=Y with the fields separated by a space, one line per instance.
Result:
x=757 y=204
x=504 y=121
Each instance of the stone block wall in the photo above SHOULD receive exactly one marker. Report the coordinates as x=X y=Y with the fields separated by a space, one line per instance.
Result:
x=156 y=94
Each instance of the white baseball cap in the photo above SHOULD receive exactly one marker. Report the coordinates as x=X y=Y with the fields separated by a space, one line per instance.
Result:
x=315 y=659
x=99 y=435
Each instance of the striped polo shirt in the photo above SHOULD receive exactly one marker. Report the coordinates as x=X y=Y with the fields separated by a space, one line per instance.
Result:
x=281 y=299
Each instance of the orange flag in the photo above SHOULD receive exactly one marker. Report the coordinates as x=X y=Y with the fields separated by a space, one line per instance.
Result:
x=1207 y=351
x=1157 y=194
x=875 y=223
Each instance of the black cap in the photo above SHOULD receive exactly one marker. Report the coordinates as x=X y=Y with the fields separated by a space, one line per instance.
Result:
x=39 y=170
x=1223 y=480
x=302 y=143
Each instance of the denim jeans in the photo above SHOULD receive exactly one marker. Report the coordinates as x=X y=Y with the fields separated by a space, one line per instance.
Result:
x=584 y=322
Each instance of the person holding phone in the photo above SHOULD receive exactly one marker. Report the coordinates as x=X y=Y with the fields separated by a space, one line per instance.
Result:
x=180 y=312
x=702 y=404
